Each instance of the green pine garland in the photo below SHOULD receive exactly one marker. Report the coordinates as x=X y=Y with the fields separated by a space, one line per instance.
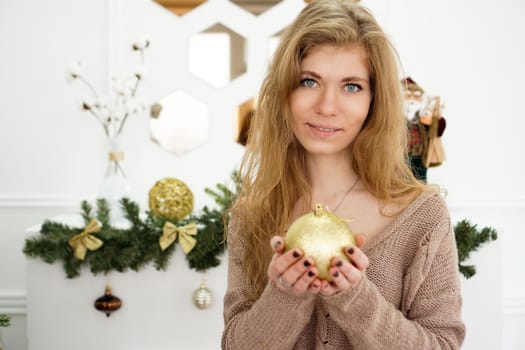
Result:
x=468 y=240
x=137 y=246
x=5 y=321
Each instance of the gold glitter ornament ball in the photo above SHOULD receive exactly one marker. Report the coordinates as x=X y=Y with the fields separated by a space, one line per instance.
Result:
x=170 y=198
x=322 y=236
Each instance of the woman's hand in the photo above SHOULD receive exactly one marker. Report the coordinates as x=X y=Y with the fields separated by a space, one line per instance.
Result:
x=291 y=271
x=346 y=274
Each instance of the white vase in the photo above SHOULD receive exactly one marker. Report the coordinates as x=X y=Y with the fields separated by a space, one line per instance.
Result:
x=115 y=185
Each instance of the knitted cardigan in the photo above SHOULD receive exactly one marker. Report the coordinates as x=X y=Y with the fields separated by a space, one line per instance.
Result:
x=409 y=297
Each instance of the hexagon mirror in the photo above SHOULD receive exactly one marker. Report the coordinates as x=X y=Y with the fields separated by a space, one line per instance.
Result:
x=180 y=7
x=272 y=44
x=227 y=49
x=244 y=112
x=256 y=7
x=179 y=123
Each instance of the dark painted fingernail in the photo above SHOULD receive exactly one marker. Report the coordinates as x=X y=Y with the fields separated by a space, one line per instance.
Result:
x=350 y=250
x=277 y=244
x=311 y=273
x=296 y=254
x=335 y=274
x=339 y=263
x=307 y=263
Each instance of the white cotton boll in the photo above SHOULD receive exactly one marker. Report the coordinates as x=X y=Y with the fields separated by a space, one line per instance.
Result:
x=129 y=85
x=88 y=103
x=118 y=111
x=74 y=70
x=126 y=92
x=141 y=72
x=122 y=86
x=131 y=107
x=104 y=112
x=118 y=86
x=102 y=101
x=97 y=104
x=140 y=106
x=116 y=119
x=141 y=43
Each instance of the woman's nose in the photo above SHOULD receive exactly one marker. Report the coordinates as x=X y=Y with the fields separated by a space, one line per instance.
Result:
x=327 y=102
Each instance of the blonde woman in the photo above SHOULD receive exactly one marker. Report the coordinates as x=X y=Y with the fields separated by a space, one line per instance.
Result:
x=329 y=129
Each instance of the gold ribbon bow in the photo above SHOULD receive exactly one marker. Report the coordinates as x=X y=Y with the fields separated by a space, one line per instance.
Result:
x=169 y=235
x=84 y=240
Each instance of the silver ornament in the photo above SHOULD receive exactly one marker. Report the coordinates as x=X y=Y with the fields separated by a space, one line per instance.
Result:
x=202 y=297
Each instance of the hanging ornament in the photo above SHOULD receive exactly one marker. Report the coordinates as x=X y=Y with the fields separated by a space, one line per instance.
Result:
x=322 y=236
x=202 y=297
x=170 y=198
x=108 y=303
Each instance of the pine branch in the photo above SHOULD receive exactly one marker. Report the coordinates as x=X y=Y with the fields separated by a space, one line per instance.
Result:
x=210 y=238
x=467 y=270
x=223 y=196
x=103 y=212
x=468 y=240
x=87 y=210
x=131 y=212
x=5 y=320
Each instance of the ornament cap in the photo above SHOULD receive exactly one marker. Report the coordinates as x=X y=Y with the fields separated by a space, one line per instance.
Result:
x=318 y=210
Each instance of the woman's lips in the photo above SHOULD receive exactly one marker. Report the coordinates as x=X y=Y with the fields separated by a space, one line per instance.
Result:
x=323 y=129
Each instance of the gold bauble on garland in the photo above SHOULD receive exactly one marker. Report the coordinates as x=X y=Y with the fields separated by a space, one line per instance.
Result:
x=322 y=236
x=170 y=198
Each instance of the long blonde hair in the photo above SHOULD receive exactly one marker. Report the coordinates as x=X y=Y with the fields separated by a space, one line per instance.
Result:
x=273 y=169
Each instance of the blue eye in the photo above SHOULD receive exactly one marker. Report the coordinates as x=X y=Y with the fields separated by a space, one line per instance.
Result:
x=308 y=82
x=352 y=87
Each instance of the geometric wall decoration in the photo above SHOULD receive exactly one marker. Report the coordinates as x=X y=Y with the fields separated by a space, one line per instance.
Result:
x=217 y=55
x=179 y=123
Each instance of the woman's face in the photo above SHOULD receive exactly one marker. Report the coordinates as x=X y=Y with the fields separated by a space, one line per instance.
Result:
x=332 y=99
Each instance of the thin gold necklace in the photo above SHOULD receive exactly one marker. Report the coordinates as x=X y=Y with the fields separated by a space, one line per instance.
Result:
x=343 y=198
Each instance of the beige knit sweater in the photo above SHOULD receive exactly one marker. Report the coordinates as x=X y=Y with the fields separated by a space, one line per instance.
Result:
x=409 y=299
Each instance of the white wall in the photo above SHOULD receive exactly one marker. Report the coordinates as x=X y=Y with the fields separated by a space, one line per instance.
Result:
x=52 y=155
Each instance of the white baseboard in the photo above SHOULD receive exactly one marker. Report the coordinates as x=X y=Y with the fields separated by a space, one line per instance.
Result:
x=16 y=304
x=13 y=304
